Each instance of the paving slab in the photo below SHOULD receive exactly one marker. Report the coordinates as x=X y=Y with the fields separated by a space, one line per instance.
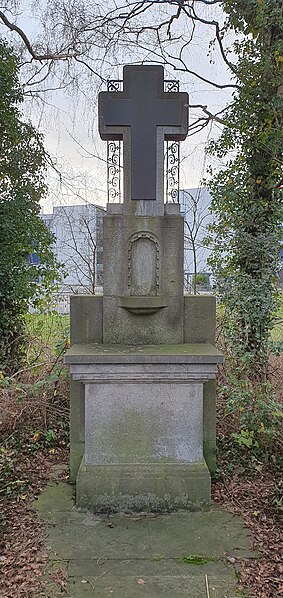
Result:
x=130 y=555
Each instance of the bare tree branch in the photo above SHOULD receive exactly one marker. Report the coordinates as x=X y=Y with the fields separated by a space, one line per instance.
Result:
x=194 y=16
x=211 y=116
x=49 y=56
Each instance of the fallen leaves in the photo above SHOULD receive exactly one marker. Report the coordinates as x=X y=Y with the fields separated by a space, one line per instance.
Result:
x=252 y=499
x=23 y=551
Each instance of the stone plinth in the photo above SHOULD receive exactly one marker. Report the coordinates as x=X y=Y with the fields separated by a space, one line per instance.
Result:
x=143 y=425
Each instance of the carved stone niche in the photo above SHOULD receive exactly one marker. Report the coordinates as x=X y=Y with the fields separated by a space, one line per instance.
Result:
x=143 y=275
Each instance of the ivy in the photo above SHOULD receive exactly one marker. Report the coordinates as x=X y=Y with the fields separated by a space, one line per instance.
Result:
x=247 y=199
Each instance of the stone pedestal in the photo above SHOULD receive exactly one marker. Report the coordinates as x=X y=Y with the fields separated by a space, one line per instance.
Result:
x=142 y=395
x=143 y=425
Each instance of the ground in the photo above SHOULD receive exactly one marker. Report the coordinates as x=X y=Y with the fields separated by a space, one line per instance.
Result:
x=34 y=428
x=35 y=529
x=129 y=555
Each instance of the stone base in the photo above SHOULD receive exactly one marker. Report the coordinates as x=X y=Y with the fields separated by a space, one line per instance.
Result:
x=86 y=328
x=143 y=426
x=76 y=456
x=150 y=487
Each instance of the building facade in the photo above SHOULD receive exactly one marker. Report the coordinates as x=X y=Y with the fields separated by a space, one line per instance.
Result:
x=78 y=245
x=78 y=241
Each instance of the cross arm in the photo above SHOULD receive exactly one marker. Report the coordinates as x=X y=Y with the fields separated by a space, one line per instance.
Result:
x=106 y=131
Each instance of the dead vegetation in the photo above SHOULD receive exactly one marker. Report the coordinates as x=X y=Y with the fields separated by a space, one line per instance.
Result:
x=34 y=429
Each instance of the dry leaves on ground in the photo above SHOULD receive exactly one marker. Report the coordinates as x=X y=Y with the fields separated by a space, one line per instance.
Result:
x=252 y=500
x=23 y=551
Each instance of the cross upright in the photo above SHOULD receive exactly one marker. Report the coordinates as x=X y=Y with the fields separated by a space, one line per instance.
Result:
x=143 y=115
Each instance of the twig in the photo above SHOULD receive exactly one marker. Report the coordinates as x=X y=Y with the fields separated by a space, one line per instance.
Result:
x=88 y=581
x=97 y=578
x=206 y=586
x=30 y=367
x=49 y=56
x=98 y=562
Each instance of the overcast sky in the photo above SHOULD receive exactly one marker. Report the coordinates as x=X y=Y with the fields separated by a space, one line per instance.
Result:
x=68 y=117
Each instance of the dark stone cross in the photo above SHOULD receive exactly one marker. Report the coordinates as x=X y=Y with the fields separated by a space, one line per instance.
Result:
x=142 y=107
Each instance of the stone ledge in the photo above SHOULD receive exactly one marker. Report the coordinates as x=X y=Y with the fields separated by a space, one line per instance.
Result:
x=152 y=487
x=204 y=353
x=142 y=305
x=142 y=374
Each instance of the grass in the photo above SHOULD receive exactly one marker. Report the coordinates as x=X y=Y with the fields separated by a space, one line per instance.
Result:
x=50 y=328
x=195 y=559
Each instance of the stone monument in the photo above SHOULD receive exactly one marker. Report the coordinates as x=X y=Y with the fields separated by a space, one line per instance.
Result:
x=142 y=360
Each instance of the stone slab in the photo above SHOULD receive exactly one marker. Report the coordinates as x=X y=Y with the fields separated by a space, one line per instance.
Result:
x=165 y=236
x=164 y=325
x=86 y=327
x=138 y=423
x=86 y=318
x=151 y=487
x=144 y=257
x=77 y=426
x=172 y=209
x=106 y=556
x=114 y=208
x=209 y=425
x=143 y=407
x=199 y=318
x=157 y=586
x=145 y=373
x=117 y=353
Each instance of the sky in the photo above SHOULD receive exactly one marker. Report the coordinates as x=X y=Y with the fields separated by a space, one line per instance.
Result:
x=68 y=117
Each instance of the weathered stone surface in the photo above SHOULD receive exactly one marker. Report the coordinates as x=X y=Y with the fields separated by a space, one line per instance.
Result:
x=144 y=258
x=86 y=318
x=86 y=327
x=144 y=425
x=77 y=427
x=171 y=209
x=198 y=353
x=106 y=555
x=143 y=422
x=209 y=424
x=164 y=325
x=199 y=319
x=143 y=487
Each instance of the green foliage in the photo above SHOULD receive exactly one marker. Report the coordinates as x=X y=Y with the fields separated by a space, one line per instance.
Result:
x=246 y=233
x=199 y=278
x=250 y=434
x=22 y=186
x=258 y=413
x=276 y=347
x=47 y=438
x=49 y=328
x=247 y=201
x=38 y=422
x=245 y=438
x=10 y=484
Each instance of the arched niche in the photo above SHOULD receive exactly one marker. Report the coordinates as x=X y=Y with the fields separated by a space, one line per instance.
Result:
x=143 y=265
